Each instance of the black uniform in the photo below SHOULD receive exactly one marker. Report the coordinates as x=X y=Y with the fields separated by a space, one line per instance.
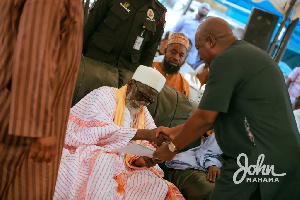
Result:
x=118 y=37
x=124 y=34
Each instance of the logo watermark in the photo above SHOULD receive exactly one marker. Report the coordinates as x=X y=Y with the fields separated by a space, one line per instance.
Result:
x=257 y=169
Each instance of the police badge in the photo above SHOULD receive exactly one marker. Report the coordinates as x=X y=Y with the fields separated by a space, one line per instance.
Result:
x=150 y=14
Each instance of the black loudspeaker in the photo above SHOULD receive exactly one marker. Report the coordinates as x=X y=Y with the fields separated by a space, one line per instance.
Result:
x=260 y=28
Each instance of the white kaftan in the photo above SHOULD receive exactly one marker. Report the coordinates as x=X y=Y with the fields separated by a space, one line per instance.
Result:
x=89 y=163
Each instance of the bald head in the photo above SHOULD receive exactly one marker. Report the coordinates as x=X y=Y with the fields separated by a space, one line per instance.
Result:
x=213 y=36
x=215 y=26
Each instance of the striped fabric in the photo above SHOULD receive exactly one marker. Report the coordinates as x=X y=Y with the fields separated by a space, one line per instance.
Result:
x=40 y=47
x=89 y=164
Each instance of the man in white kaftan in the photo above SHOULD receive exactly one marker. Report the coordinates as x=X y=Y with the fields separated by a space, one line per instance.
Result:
x=90 y=167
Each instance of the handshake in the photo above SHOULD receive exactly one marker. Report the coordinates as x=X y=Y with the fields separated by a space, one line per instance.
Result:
x=159 y=136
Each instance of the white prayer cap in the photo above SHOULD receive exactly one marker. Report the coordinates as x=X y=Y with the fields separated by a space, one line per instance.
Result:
x=206 y=5
x=150 y=77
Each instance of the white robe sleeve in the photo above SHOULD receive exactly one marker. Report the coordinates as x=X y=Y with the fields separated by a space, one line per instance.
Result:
x=91 y=122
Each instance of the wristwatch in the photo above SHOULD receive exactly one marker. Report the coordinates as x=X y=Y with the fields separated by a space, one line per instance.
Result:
x=172 y=147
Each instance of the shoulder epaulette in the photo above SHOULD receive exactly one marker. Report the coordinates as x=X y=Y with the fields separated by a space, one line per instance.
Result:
x=161 y=5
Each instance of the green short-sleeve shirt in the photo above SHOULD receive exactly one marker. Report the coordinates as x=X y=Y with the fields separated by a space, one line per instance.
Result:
x=247 y=88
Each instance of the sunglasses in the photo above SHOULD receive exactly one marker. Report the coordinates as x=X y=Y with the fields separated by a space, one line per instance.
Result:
x=140 y=96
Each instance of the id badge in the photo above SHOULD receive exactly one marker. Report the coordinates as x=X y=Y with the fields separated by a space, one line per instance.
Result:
x=138 y=42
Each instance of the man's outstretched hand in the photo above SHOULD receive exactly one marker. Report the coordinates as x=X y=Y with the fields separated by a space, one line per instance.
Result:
x=165 y=130
x=171 y=132
x=160 y=139
x=151 y=136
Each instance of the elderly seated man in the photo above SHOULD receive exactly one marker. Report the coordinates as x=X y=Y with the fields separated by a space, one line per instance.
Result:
x=104 y=120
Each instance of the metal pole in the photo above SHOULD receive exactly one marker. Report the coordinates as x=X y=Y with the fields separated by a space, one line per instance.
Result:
x=281 y=26
x=86 y=9
x=287 y=36
x=187 y=7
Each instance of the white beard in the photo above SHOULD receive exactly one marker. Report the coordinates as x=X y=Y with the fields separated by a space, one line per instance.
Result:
x=128 y=103
x=133 y=111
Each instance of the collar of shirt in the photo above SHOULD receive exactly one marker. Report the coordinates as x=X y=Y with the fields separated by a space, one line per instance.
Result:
x=195 y=18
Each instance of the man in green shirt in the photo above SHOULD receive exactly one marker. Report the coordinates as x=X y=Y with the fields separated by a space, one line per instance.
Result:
x=247 y=104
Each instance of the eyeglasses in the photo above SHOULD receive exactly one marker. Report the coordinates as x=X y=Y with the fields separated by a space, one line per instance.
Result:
x=140 y=96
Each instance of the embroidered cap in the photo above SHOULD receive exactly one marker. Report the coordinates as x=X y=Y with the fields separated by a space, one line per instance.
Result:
x=179 y=38
x=150 y=77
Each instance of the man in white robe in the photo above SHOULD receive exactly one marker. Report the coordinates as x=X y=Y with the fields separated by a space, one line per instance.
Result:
x=106 y=119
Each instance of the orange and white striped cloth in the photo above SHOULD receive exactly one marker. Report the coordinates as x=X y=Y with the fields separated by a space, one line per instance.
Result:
x=90 y=167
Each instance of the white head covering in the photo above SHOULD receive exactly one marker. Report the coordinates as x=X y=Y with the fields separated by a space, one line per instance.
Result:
x=150 y=77
x=206 y=5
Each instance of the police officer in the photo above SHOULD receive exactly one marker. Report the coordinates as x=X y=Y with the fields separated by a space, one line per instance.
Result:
x=123 y=34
